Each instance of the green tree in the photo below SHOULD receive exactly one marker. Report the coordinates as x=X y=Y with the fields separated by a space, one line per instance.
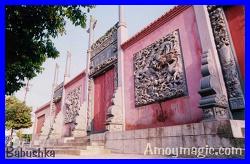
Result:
x=29 y=30
x=19 y=134
x=27 y=137
x=17 y=115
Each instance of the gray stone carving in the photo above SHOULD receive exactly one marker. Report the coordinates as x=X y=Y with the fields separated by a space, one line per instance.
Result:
x=226 y=55
x=108 y=38
x=58 y=93
x=72 y=105
x=158 y=71
x=213 y=104
x=104 y=51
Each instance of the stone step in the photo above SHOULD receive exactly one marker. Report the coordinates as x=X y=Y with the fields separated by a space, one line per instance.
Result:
x=75 y=144
x=95 y=152
x=96 y=147
x=68 y=151
x=71 y=144
x=65 y=147
x=97 y=144
x=78 y=140
x=81 y=151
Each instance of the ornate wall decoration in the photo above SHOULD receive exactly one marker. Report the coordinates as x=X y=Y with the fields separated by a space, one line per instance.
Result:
x=158 y=71
x=72 y=105
x=226 y=55
x=104 y=51
x=108 y=38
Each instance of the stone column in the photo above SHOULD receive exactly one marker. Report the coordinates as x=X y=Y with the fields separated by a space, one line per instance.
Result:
x=116 y=113
x=34 y=135
x=227 y=55
x=90 y=108
x=89 y=89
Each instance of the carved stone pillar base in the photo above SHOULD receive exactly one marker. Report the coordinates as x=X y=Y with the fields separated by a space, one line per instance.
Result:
x=81 y=122
x=45 y=129
x=57 y=126
x=213 y=103
x=215 y=113
x=114 y=120
x=79 y=133
x=114 y=127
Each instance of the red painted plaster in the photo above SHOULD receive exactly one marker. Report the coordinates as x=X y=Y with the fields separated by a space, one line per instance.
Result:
x=77 y=81
x=104 y=90
x=40 y=123
x=236 y=21
x=179 y=110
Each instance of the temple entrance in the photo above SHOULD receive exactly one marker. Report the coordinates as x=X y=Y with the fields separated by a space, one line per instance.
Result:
x=104 y=89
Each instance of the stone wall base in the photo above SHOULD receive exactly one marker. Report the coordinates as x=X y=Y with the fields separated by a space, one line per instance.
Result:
x=226 y=133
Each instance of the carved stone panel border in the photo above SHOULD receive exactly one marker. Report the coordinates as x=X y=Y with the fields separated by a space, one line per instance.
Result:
x=159 y=71
x=228 y=63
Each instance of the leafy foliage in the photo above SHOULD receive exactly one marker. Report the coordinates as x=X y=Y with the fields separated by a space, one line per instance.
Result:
x=19 y=134
x=17 y=115
x=29 y=30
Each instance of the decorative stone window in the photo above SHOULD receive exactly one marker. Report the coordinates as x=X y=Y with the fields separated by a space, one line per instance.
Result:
x=159 y=71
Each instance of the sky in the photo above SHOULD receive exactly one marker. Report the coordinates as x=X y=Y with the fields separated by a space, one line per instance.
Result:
x=76 y=42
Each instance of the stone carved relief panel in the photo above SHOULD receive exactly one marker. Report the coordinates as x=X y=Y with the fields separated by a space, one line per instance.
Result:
x=104 y=51
x=58 y=92
x=159 y=71
x=108 y=38
x=72 y=105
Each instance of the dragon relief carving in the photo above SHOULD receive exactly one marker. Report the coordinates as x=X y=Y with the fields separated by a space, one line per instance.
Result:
x=158 y=71
x=72 y=105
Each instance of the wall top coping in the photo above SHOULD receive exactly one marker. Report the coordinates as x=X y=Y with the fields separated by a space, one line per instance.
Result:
x=166 y=17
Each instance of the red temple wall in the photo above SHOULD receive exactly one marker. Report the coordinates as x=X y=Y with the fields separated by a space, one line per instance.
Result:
x=40 y=116
x=40 y=123
x=236 y=21
x=179 y=110
x=77 y=81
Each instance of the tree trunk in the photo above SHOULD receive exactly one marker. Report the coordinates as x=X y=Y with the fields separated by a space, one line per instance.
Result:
x=11 y=136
